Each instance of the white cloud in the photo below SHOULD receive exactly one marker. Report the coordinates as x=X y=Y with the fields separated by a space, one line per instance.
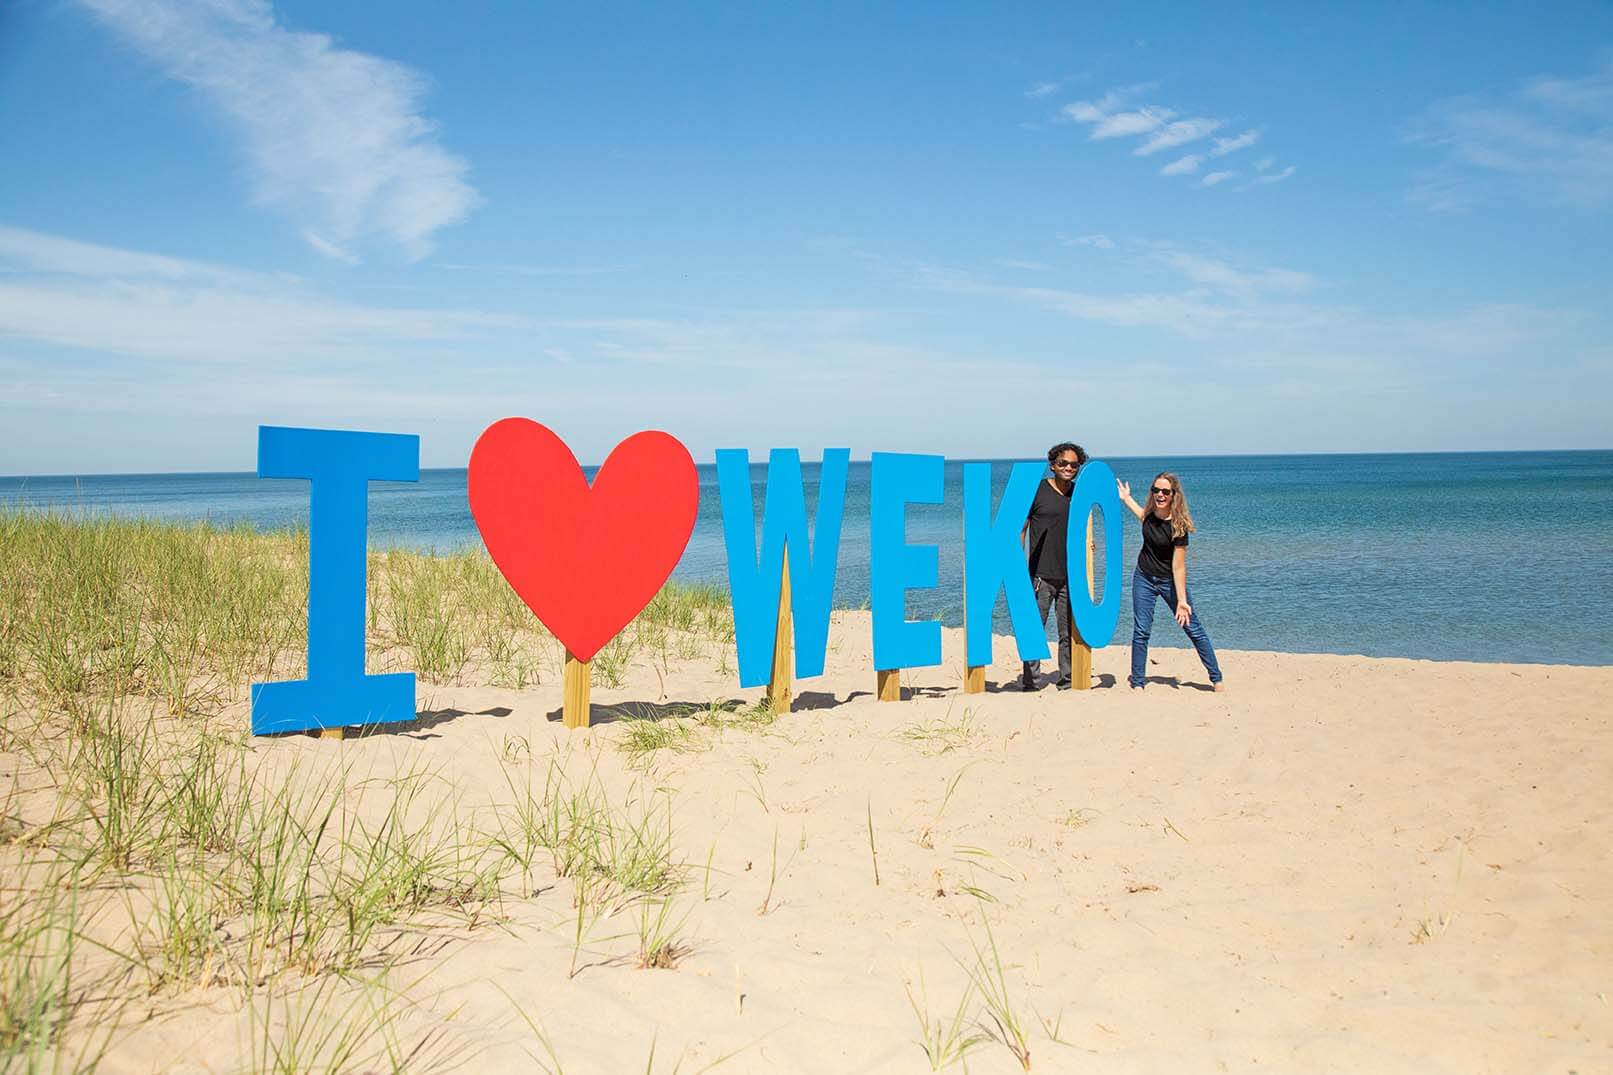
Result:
x=1275 y=177
x=1117 y=114
x=328 y=248
x=43 y=253
x=1123 y=124
x=1223 y=276
x=1264 y=163
x=1551 y=139
x=1041 y=89
x=1093 y=111
x=1179 y=133
x=1100 y=242
x=335 y=137
x=1223 y=146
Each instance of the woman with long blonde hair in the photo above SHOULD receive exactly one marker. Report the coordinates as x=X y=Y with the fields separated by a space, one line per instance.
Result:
x=1162 y=573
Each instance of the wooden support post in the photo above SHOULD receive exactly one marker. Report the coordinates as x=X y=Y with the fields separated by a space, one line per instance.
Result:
x=890 y=685
x=779 y=692
x=1080 y=652
x=332 y=733
x=974 y=675
x=575 y=708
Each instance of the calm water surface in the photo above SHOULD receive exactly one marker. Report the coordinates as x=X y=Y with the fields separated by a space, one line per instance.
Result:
x=1483 y=557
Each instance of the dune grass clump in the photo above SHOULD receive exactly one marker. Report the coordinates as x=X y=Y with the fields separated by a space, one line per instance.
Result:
x=942 y=735
x=688 y=729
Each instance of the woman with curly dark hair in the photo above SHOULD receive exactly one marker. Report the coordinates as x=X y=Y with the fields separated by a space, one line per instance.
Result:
x=1044 y=533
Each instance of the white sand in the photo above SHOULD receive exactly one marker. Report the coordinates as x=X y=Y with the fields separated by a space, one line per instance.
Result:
x=1340 y=864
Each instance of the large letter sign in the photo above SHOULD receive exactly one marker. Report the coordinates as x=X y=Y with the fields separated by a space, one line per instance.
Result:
x=587 y=557
x=994 y=559
x=339 y=466
x=1095 y=487
x=894 y=566
x=755 y=583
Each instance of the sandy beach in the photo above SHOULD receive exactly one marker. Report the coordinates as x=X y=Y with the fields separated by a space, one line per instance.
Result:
x=1339 y=864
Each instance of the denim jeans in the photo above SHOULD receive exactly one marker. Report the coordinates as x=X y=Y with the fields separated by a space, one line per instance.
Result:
x=1056 y=595
x=1145 y=590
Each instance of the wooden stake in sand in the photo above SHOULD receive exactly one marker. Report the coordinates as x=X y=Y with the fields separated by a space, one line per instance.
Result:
x=1080 y=652
x=889 y=683
x=974 y=675
x=575 y=709
x=779 y=686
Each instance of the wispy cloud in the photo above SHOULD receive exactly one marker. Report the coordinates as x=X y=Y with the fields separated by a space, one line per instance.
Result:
x=1100 y=242
x=335 y=138
x=1114 y=100
x=1275 y=177
x=536 y=270
x=1550 y=139
x=1124 y=124
x=1179 y=133
x=1119 y=114
x=1223 y=146
x=21 y=249
x=1223 y=276
x=1263 y=320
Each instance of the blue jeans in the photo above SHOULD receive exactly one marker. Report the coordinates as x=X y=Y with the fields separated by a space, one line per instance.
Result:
x=1145 y=590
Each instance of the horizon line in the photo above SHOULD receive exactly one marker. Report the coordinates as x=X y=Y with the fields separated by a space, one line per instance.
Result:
x=866 y=459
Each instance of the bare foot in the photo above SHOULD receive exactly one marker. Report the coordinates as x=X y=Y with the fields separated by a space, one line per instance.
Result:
x=1220 y=687
x=1139 y=690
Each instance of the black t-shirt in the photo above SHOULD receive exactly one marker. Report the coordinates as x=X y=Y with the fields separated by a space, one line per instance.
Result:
x=1154 y=559
x=1045 y=531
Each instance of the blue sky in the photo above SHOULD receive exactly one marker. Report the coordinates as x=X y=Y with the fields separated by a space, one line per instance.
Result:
x=966 y=229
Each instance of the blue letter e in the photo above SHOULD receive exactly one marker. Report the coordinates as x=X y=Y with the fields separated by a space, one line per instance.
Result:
x=894 y=567
x=339 y=466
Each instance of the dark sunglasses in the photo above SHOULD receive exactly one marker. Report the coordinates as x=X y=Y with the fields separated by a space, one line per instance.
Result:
x=1066 y=463
x=1157 y=491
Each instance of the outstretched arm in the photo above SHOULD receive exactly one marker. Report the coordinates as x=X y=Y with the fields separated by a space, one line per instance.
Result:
x=1125 y=498
x=1184 y=611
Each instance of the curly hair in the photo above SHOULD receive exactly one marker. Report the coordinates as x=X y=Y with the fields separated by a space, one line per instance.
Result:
x=1067 y=446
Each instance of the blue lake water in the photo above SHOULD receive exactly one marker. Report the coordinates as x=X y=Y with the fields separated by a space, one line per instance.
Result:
x=1482 y=556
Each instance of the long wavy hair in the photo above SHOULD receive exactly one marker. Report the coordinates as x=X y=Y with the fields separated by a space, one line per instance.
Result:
x=1181 y=518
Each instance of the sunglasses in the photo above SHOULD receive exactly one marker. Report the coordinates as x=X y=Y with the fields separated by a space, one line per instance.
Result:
x=1157 y=491
x=1071 y=463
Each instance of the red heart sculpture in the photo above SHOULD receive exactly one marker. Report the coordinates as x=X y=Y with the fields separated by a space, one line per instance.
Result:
x=585 y=560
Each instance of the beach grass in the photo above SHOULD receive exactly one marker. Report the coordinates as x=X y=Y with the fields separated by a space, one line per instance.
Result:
x=149 y=853
x=189 y=616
